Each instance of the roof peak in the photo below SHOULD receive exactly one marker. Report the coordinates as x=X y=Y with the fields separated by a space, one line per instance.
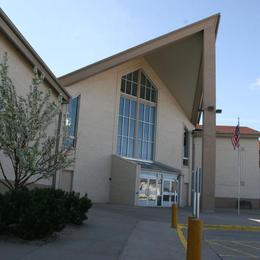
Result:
x=14 y=36
x=141 y=49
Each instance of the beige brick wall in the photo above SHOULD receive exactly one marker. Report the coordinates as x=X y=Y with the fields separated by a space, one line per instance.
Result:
x=124 y=176
x=97 y=129
x=227 y=169
x=21 y=73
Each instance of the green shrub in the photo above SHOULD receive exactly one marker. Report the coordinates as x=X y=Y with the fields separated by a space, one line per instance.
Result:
x=44 y=215
x=77 y=207
x=37 y=213
x=34 y=214
x=14 y=203
x=2 y=225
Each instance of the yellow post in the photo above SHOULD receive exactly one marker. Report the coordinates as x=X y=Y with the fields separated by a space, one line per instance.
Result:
x=194 y=239
x=174 y=215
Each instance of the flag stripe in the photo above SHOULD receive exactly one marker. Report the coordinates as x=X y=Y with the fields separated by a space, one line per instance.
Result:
x=236 y=137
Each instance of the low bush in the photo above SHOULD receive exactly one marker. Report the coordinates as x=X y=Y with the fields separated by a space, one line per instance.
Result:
x=77 y=207
x=2 y=225
x=14 y=204
x=37 y=213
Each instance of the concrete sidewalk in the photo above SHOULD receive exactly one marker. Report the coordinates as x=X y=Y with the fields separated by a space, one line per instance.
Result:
x=116 y=232
x=152 y=240
x=112 y=232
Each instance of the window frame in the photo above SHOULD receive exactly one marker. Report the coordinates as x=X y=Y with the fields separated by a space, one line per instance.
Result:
x=139 y=101
x=74 y=142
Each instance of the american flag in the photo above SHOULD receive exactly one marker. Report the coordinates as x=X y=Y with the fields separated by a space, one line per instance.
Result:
x=236 y=137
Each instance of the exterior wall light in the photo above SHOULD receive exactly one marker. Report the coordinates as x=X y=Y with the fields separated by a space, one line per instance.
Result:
x=211 y=108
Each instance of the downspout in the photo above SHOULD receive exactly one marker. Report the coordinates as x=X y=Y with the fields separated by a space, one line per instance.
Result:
x=179 y=178
x=192 y=169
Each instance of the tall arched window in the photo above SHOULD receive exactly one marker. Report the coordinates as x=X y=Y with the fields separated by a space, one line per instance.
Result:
x=137 y=114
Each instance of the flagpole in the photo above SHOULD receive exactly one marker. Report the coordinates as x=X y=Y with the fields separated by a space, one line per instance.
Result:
x=239 y=178
x=239 y=181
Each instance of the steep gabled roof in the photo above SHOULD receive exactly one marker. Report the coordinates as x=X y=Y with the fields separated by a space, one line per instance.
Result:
x=23 y=46
x=139 y=50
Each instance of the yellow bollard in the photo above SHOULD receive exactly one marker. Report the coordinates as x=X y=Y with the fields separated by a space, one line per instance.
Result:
x=174 y=215
x=194 y=239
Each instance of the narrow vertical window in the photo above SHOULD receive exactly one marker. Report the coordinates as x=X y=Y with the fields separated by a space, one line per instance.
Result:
x=186 y=147
x=126 y=127
x=136 y=121
x=72 y=121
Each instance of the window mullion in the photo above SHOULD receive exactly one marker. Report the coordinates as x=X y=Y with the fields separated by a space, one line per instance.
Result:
x=128 y=96
x=137 y=115
x=128 y=130
x=122 y=129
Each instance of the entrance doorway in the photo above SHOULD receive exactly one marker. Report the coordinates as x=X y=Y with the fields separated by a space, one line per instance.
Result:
x=169 y=193
x=148 y=190
x=65 y=180
x=157 y=189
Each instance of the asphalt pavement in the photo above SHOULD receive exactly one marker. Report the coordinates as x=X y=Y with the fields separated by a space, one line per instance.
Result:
x=117 y=232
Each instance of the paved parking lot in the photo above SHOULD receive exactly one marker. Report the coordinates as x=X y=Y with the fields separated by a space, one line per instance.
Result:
x=221 y=242
x=234 y=244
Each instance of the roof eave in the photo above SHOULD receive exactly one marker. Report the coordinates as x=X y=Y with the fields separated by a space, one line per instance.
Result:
x=23 y=46
x=139 y=50
x=198 y=133
x=196 y=114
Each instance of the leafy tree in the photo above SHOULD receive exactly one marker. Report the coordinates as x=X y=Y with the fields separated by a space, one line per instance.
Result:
x=25 y=126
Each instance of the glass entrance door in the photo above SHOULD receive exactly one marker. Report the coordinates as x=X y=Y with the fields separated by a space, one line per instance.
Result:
x=169 y=192
x=147 y=190
x=157 y=189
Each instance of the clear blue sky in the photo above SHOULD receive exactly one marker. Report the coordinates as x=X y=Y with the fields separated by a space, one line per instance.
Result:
x=72 y=34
